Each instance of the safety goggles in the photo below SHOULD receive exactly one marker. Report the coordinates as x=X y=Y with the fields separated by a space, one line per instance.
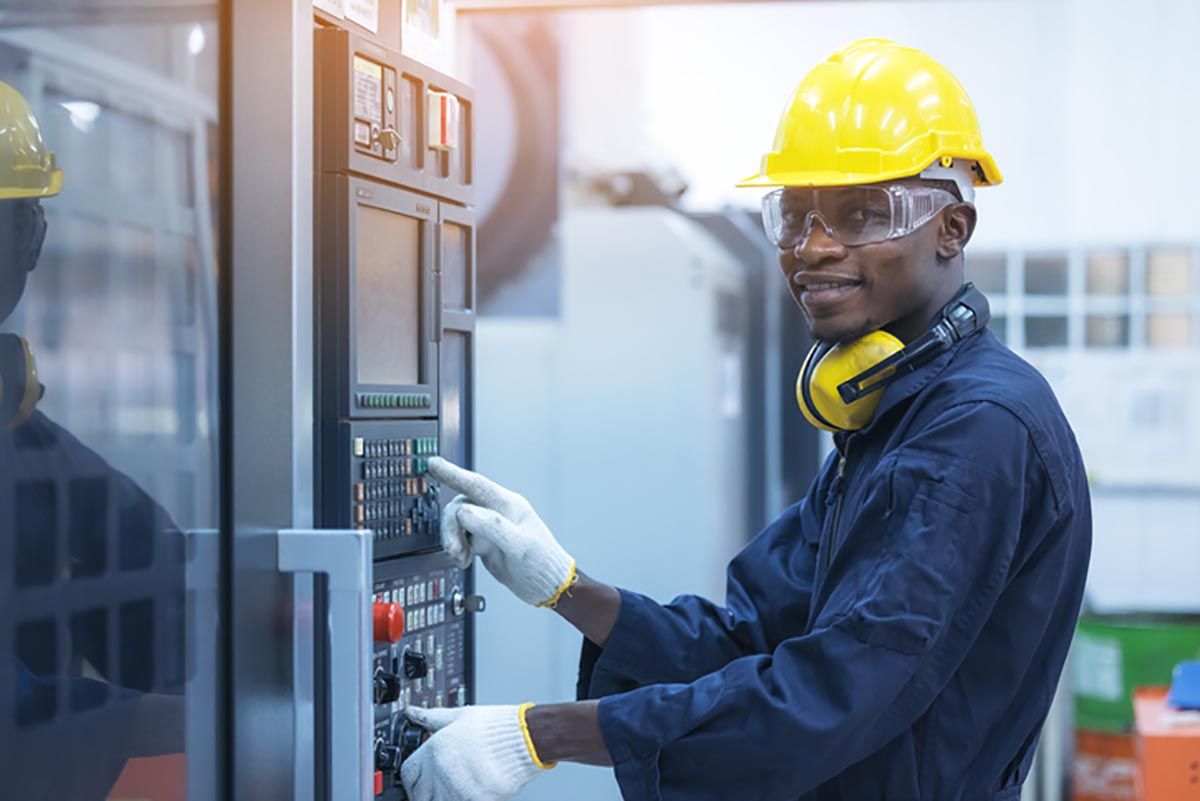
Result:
x=853 y=215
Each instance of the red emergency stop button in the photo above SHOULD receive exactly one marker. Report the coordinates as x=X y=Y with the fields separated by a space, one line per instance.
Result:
x=389 y=622
x=378 y=782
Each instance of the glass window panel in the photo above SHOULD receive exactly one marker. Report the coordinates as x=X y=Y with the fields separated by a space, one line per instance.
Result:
x=1173 y=330
x=1169 y=272
x=99 y=482
x=1108 y=272
x=1106 y=330
x=989 y=273
x=1046 y=275
x=1045 y=332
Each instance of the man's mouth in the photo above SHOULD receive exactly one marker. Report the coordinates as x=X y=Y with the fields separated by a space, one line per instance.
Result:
x=821 y=293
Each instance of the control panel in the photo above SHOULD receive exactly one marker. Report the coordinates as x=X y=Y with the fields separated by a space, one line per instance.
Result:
x=394 y=277
x=423 y=623
x=391 y=118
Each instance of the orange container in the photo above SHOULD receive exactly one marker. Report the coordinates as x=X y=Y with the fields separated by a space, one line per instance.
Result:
x=1167 y=748
x=1104 y=767
x=161 y=778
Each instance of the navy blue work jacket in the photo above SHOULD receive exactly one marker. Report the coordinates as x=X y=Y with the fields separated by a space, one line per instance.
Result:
x=897 y=634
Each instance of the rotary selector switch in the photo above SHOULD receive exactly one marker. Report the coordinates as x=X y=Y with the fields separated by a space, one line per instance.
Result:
x=387 y=757
x=387 y=687
x=416 y=665
x=409 y=736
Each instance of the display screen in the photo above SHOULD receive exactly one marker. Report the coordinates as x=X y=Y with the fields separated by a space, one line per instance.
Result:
x=388 y=297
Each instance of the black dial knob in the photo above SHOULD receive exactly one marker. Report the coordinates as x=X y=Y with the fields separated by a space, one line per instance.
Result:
x=416 y=665
x=387 y=757
x=409 y=737
x=387 y=687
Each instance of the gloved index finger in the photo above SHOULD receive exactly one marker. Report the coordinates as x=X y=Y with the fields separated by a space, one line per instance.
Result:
x=436 y=718
x=478 y=488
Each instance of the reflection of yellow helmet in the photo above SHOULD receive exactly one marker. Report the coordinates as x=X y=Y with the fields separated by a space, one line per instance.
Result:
x=27 y=168
x=876 y=111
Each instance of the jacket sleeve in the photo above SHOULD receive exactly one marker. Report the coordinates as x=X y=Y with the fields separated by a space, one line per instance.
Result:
x=922 y=565
x=694 y=636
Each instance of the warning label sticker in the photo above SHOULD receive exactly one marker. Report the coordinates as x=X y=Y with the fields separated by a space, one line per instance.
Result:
x=368 y=90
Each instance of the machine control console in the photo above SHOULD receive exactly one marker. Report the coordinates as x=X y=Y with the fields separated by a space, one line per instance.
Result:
x=428 y=665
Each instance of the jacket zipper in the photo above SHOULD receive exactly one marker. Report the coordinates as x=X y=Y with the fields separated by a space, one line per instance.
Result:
x=839 y=495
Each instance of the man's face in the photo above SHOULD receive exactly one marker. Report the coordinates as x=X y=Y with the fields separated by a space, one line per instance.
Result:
x=846 y=292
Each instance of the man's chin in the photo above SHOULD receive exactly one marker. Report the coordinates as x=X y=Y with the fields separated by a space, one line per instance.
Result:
x=837 y=335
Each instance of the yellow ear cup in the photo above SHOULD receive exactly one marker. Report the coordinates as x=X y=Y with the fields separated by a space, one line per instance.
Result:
x=21 y=381
x=825 y=370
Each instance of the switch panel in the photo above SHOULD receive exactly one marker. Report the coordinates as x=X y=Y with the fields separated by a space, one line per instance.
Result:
x=431 y=664
x=384 y=484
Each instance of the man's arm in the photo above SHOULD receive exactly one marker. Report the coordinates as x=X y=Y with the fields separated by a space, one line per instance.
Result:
x=591 y=607
x=693 y=636
x=568 y=733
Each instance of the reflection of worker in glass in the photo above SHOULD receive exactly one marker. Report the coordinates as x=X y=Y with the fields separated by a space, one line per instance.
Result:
x=91 y=586
x=898 y=633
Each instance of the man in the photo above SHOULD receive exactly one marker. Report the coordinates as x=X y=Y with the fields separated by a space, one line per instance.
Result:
x=898 y=633
x=78 y=538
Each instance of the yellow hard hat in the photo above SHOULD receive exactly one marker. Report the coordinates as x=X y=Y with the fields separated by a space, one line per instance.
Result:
x=876 y=111
x=27 y=168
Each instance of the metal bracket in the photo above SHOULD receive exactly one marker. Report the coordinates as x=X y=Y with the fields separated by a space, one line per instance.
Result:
x=344 y=556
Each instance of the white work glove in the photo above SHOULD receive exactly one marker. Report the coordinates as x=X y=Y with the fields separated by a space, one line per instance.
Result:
x=476 y=753
x=508 y=536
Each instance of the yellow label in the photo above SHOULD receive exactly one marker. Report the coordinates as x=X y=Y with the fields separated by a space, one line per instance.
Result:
x=368 y=67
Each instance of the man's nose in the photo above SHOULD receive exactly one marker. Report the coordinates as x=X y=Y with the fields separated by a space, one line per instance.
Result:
x=818 y=244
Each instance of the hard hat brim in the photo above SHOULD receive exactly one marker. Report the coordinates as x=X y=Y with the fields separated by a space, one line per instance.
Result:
x=53 y=187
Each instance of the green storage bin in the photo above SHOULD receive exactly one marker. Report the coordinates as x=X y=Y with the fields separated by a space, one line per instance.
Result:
x=1113 y=654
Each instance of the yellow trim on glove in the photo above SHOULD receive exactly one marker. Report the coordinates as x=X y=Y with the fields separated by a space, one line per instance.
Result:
x=521 y=710
x=572 y=580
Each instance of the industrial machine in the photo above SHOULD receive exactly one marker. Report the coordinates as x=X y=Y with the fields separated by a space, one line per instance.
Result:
x=394 y=295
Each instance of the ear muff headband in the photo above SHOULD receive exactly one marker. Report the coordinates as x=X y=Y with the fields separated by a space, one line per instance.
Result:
x=19 y=387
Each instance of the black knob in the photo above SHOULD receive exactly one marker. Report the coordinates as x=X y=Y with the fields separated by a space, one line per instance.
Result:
x=416 y=665
x=387 y=687
x=409 y=737
x=387 y=757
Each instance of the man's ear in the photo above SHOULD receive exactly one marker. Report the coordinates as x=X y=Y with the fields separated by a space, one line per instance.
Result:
x=955 y=230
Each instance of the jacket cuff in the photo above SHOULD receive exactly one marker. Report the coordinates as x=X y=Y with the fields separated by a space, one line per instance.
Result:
x=620 y=665
x=636 y=771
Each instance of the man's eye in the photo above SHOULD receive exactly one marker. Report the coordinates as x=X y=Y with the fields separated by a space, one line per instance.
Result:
x=866 y=215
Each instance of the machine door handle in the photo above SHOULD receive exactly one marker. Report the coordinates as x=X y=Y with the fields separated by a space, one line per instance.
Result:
x=344 y=558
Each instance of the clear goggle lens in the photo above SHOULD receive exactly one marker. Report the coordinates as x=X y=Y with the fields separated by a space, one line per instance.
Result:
x=853 y=215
